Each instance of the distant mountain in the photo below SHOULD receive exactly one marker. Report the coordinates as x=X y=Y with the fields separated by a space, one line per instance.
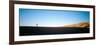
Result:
x=81 y=24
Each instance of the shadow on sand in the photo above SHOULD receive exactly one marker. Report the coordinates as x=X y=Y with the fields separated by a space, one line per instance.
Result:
x=28 y=30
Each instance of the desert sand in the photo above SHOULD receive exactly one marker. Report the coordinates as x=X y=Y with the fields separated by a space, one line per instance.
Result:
x=81 y=24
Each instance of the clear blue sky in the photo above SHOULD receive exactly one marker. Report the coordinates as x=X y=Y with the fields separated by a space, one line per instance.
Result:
x=46 y=17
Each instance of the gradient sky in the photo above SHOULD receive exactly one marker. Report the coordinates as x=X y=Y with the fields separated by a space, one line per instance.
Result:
x=47 y=17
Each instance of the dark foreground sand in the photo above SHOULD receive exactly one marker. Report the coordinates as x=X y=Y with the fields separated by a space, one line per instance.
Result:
x=24 y=30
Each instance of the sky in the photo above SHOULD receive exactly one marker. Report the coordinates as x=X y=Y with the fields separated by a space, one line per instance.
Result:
x=51 y=18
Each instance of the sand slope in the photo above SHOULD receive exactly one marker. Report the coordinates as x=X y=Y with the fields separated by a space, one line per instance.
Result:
x=81 y=24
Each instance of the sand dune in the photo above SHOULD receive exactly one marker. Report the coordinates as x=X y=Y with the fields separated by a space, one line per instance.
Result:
x=81 y=24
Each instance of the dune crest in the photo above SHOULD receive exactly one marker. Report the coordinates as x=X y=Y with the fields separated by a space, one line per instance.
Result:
x=81 y=24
